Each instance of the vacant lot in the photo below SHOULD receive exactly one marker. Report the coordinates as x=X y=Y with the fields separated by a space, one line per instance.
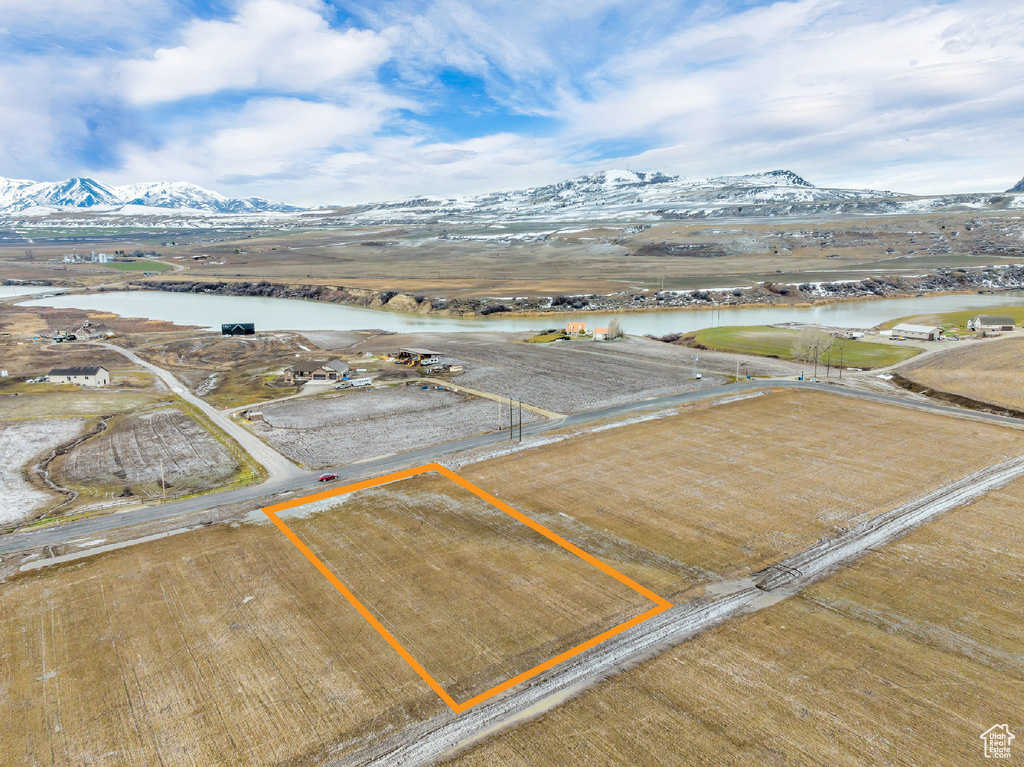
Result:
x=986 y=372
x=127 y=459
x=475 y=595
x=20 y=443
x=906 y=657
x=226 y=646
x=778 y=342
x=726 y=490
x=356 y=424
x=551 y=376
x=228 y=371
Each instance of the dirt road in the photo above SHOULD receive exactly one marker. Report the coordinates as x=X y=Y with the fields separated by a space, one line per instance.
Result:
x=278 y=467
x=446 y=734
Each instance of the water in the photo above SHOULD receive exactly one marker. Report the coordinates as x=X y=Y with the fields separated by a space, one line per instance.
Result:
x=291 y=314
x=9 y=291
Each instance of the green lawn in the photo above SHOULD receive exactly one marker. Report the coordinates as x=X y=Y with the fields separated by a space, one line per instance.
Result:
x=778 y=342
x=139 y=266
x=958 y=320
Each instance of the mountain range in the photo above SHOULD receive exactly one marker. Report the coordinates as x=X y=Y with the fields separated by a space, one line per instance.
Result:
x=605 y=195
x=21 y=195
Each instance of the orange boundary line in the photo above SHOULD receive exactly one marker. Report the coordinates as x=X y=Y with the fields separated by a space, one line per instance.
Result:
x=662 y=604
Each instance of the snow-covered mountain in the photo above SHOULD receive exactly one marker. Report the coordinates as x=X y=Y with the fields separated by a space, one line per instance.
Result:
x=1018 y=188
x=19 y=195
x=616 y=193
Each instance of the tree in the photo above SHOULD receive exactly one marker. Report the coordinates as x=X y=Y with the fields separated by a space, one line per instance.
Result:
x=811 y=344
x=615 y=330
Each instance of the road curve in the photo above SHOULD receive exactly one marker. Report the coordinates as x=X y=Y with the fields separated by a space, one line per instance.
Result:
x=278 y=467
x=304 y=480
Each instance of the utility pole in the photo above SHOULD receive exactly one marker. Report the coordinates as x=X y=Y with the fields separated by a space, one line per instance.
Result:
x=816 y=345
x=163 y=485
x=842 y=343
x=520 y=419
x=828 y=362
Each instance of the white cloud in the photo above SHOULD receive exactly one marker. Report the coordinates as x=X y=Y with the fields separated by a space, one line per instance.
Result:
x=269 y=45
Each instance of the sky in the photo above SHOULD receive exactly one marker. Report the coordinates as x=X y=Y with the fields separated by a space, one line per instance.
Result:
x=314 y=102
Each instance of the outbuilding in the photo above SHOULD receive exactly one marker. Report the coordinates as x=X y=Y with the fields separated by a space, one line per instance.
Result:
x=417 y=356
x=80 y=376
x=600 y=334
x=918 y=332
x=238 y=329
x=989 y=322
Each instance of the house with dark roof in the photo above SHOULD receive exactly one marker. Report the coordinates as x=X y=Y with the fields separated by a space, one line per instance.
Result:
x=314 y=371
x=989 y=322
x=80 y=376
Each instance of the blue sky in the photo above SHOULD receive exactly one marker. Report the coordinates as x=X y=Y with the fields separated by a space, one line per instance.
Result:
x=332 y=102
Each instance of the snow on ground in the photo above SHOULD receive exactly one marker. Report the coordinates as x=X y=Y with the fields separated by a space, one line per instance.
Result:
x=20 y=442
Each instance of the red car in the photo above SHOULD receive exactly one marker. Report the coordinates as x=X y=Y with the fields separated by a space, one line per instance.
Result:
x=328 y=477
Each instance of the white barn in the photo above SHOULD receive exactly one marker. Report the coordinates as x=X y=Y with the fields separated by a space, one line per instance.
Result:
x=985 y=322
x=918 y=332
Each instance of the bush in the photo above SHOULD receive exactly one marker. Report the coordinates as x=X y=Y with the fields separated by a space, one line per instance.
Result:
x=494 y=308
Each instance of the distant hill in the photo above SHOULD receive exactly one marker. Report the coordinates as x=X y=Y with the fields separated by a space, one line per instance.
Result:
x=20 y=194
x=1018 y=188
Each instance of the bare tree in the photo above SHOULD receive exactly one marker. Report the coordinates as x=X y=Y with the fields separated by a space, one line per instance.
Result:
x=615 y=330
x=811 y=344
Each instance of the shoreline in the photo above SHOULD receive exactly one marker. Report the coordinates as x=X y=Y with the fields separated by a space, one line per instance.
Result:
x=400 y=310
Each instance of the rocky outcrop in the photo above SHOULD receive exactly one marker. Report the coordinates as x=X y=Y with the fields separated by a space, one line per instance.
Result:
x=980 y=279
x=1018 y=188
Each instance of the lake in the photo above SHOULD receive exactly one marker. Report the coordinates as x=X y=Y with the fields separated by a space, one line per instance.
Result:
x=292 y=314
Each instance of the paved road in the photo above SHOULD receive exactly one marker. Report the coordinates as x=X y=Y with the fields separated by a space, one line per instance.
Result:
x=306 y=481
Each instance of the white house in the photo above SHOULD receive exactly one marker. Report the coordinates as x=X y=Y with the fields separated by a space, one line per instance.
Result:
x=80 y=376
x=984 y=322
x=918 y=332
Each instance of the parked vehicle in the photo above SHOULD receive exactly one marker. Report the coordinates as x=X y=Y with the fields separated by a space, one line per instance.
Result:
x=327 y=477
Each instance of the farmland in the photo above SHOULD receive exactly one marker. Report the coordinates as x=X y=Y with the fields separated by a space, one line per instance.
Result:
x=916 y=644
x=726 y=490
x=779 y=342
x=128 y=458
x=341 y=427
x=225 y=645
x=988 y=372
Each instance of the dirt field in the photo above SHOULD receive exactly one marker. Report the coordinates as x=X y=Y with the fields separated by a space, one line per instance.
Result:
x=986 y=372
x=475 y=595
x=225 y=646
x=906 y=657
x=551 y=376
x=21 y=442
x=338 y=428
x=127 y=458
x=725 y=490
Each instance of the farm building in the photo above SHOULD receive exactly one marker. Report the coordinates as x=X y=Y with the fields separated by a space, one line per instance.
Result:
x=80 y=376
x=984 y=322
x=600 y=334
x=312 y=371
x=918 y=332
x=576 y=329
x=238 y=329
